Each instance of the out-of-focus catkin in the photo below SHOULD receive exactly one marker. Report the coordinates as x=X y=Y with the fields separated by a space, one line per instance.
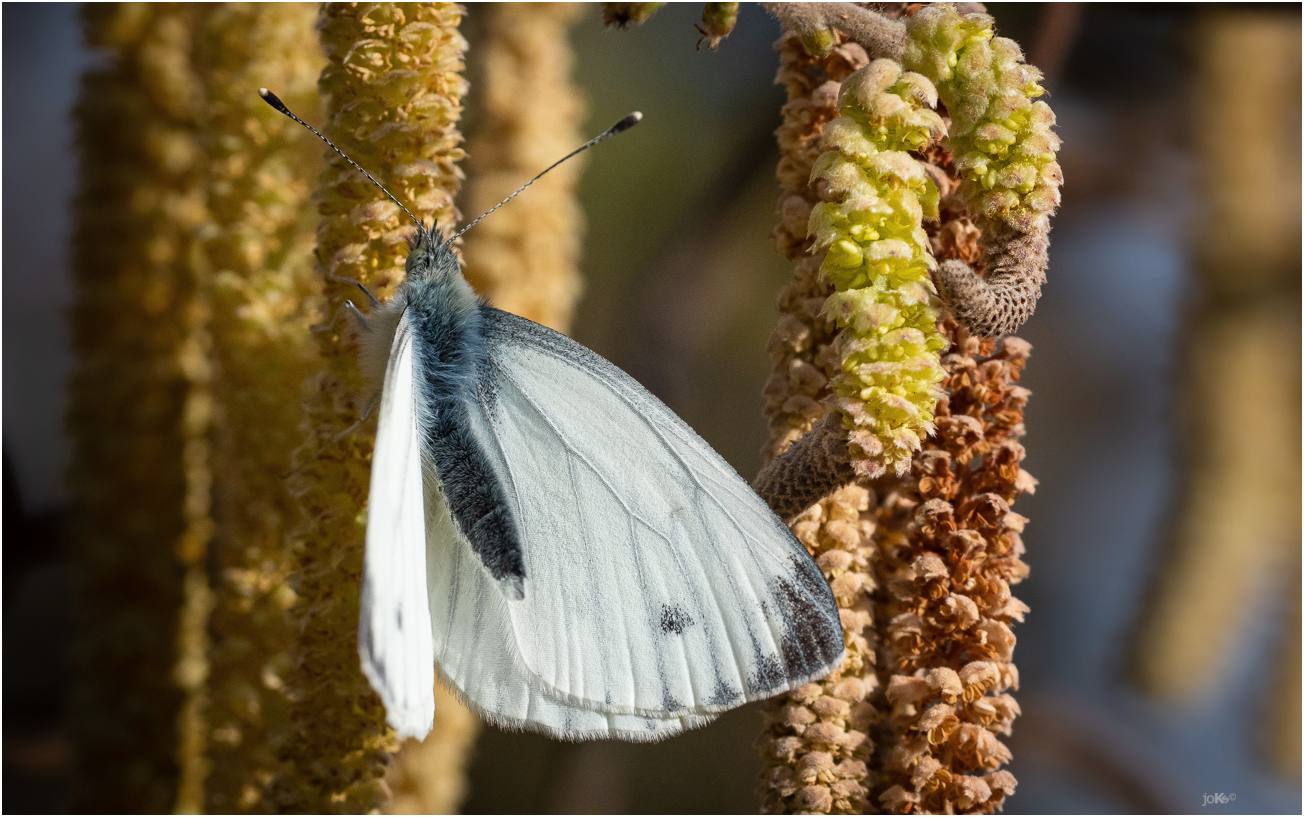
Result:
x=950 y=549
x=524 y=259
x=140 y=201
x=394 y=86
x=258 y=250
x=1235 y=528
x=814 y=745
x=192 y=666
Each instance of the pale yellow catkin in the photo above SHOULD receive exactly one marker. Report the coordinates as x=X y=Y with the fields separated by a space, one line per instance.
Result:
x=1237 y=521
x=524 y=259
x=258 y=248
x=137 y=502
x=815 y=746
x=393 y=88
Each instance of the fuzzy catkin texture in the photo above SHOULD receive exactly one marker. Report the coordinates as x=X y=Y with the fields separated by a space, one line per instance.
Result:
x=802 y=344
x=878 y=258
x=140 y=200
x=951 y=549
x=525 y=257
x=394 y=91
x=811 y=469
x=429 y=776
x=259 y=250
x=1004 y=150
x=814 y=744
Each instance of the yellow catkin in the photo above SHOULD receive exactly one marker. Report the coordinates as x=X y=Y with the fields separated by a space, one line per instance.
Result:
x=815 y=745
x=393 y=88
x=258 y=249
x=1237 y=521
x=192 y=664
x=141 y=200
x=524 y=258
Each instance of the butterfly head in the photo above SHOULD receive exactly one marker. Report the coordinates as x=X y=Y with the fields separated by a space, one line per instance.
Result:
x=431 y=258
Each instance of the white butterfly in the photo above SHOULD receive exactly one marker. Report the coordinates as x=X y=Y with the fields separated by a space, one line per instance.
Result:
x=567 y=552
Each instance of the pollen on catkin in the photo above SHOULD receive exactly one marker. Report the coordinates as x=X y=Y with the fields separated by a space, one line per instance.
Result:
x=878 y=259
x=1004 y=149
x=139 y=203
x=258 y=248
x=394 y=87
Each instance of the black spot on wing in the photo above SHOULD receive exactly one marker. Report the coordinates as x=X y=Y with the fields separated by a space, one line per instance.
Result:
x=450 y=356
x=812 y=631
x=674 y=620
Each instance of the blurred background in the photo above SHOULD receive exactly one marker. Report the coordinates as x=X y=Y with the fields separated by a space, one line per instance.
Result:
x=1157 y=668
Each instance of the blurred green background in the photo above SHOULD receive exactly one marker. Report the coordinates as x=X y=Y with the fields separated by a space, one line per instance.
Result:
x=680 y=282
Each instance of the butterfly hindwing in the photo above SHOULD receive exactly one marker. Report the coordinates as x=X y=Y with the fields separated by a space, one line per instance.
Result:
x=656 y=582
x=479 y=656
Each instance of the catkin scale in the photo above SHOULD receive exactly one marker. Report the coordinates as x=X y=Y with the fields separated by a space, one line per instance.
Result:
x=815 y=745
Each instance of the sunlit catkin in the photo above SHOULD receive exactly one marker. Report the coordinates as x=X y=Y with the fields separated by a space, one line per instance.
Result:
x=394 y=88
x=258 y=251
x=878 y=258
x=814 y=746
x=524 y=258
x=950 y=549
x=141 y=199
x=1004 y=150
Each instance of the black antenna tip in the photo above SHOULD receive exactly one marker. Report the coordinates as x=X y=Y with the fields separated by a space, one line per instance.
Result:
x=626 y=123
x=273 y=100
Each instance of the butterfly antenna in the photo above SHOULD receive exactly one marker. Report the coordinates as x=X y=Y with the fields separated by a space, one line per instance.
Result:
x=620 y=127
x=275 y=101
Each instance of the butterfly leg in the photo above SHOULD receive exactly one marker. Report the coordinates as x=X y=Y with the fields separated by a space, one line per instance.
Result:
x=371 y=406
x=355 y=316
x=372 y=298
